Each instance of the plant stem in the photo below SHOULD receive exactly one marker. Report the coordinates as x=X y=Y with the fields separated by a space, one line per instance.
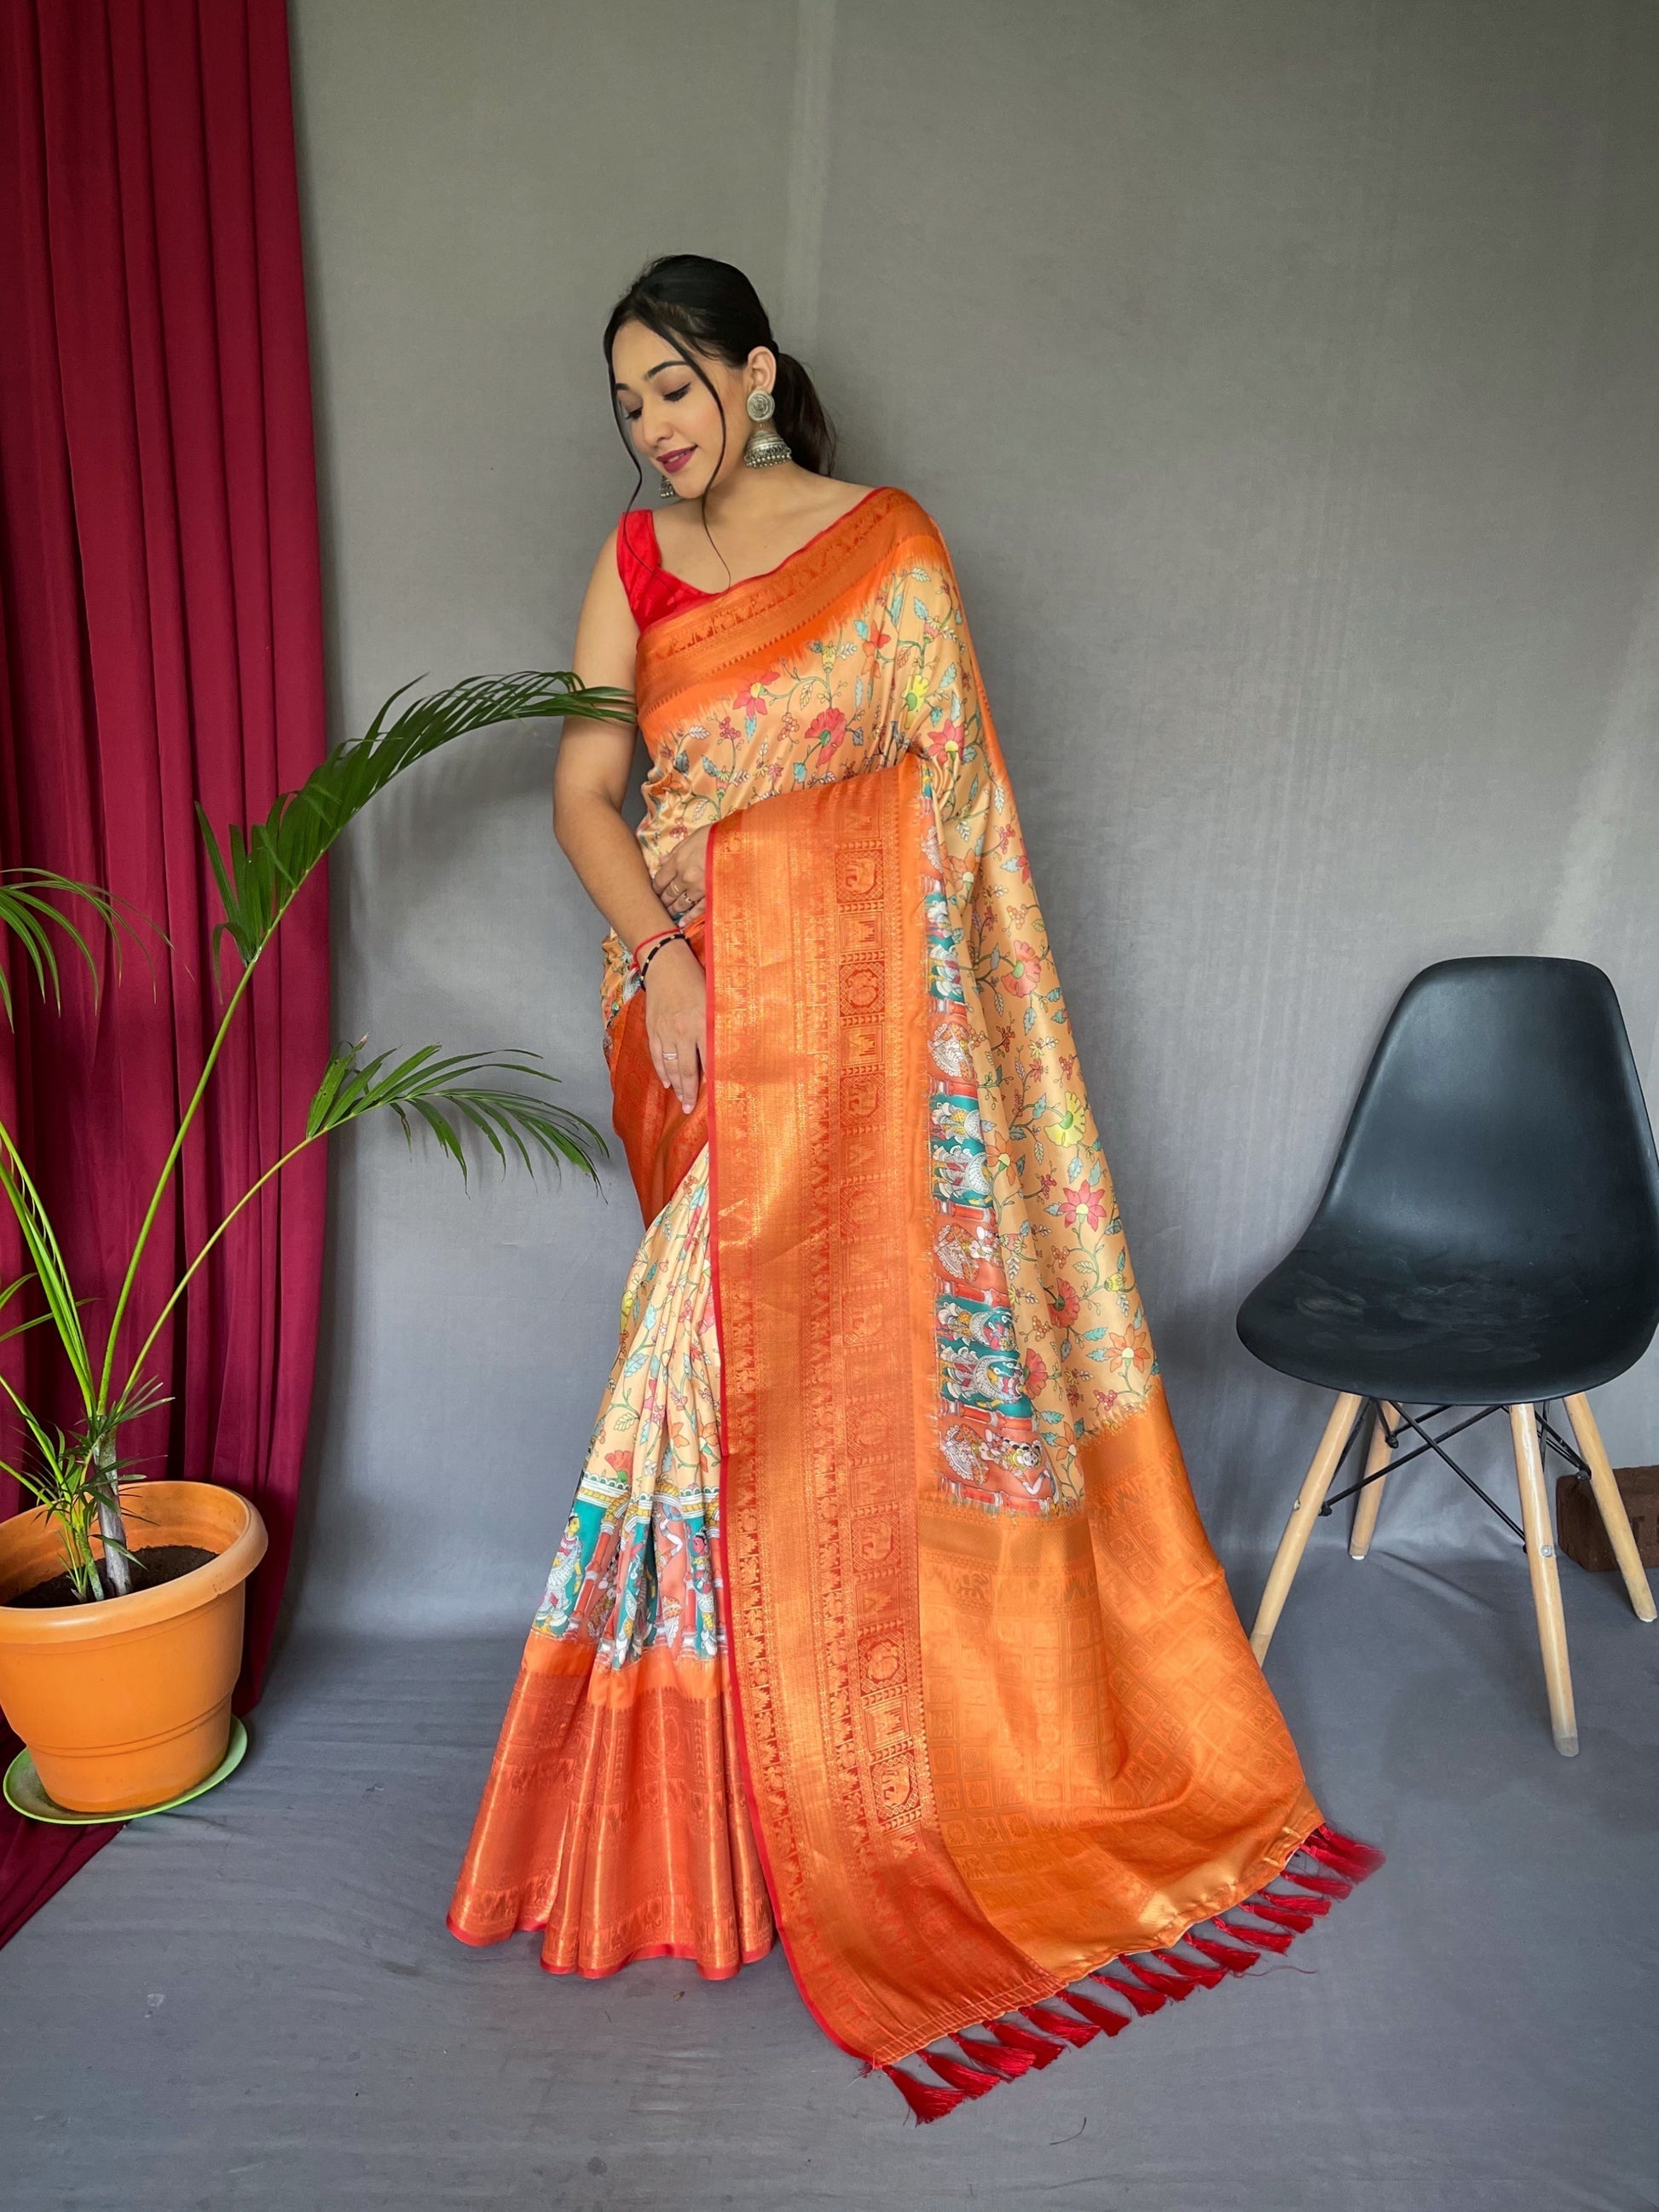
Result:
x=183 y=1284
x=168 y=1165
x=111 y=1525
x=34 y=1224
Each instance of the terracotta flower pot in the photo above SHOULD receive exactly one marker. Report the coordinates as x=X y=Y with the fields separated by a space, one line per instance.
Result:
x=127 y=1703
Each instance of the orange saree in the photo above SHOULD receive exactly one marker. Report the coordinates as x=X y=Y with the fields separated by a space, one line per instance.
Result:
x=885 y=1614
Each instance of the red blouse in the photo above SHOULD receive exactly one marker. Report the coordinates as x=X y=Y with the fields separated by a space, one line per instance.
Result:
x=651 y=591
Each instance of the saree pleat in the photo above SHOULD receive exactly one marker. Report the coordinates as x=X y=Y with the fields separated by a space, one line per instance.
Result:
x=612 y=1818
x=885 y=1509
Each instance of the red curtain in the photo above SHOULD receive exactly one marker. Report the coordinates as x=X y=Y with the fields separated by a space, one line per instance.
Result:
x=160 y=642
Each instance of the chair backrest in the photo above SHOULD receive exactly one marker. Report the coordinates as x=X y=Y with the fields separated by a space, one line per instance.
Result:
x=1502 y=1123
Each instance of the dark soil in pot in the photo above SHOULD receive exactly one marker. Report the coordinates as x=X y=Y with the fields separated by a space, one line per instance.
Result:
x=152 y=1564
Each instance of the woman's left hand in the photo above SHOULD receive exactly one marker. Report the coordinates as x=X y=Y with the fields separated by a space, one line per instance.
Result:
x=679 y=882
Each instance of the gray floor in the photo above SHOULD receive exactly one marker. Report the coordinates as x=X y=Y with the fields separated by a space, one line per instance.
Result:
x=253 y=2002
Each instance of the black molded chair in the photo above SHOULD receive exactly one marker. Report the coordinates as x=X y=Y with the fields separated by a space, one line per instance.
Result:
x=1489 y=1239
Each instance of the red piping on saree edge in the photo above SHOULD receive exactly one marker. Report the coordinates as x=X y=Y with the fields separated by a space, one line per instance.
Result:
x=1038 y=2034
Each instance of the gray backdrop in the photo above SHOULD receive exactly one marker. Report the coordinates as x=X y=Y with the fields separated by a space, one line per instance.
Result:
x=1281 y=373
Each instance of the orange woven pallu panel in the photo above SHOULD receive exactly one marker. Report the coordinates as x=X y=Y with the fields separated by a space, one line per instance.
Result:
x=986 y=1751
x=818 y=1147
x=1109 y=1764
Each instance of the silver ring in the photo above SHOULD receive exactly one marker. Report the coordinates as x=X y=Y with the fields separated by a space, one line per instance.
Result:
x=669 y=1056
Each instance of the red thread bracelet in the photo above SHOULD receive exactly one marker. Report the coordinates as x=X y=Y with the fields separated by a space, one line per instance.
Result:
x=657 y=937
x=640 y=966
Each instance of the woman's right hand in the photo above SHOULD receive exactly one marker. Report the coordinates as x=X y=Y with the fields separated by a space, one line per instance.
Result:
x=676 y=1010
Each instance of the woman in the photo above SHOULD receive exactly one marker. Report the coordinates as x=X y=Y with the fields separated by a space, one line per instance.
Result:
x=884 y=1617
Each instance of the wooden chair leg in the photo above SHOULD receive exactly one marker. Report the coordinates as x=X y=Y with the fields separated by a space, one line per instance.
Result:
x=1303 y=1513
x=1614 y=1519
x=1370 y=1498
x=1546 y=1583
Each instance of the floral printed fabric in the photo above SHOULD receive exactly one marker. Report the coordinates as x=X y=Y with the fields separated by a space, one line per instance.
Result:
x=1042 y=1337
x=636 y=1568
x=1043 y=1340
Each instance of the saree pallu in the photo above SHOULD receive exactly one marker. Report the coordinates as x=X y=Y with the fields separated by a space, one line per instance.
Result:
x=884 y=1578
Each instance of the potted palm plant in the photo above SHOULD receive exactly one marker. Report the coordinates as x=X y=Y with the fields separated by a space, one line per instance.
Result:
x=121 y=1600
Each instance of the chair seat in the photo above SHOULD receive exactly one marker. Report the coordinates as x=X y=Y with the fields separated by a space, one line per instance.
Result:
x=1391 y=1325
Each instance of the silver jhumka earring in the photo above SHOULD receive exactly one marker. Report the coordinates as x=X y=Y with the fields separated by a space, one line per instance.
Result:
x=764 y=449
x=666 y=487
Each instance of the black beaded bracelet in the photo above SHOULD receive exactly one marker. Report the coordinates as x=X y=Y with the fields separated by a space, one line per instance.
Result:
x=674 y=937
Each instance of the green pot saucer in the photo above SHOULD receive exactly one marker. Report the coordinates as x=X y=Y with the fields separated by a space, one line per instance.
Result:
x=24 y=1796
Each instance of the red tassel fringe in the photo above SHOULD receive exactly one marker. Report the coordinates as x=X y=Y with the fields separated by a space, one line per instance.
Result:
x=925 y=2099
x=1159 y=1978
x=1065 y=2025
x=1143 y=2003
x=1206 y=1977
x=972 y=2080
x=1300 y=1902
x=1167 y=1985
x=1230 y=1957
x=1107 y=2021
x=997 y=2057
x=1037 y=2048
x=1344 y=1854
x=1323 y=1885
x=1262 y=1939
x=1268 y=1908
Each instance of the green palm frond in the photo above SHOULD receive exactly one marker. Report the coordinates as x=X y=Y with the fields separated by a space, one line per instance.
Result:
x=46 y=1260
x=10 y=1291
x=260 y=869
x=30 y=913
x=54 y=1475
x=450 y=1095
